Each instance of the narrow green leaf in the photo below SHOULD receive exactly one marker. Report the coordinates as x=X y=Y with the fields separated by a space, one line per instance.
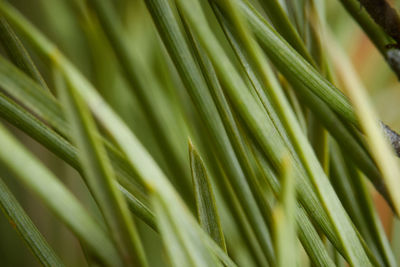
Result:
x=231 y=110
x=242 y=100
x=244 y=227
x=195 y=83
x=385 y=15
x=26 y=229
x=306 y=195
x=296 y=10
x=58 y=199
x=378 y=37
x=180 y=239
x=138 y=157
x=63 y=149
x=233 y=132
x=293 y=66
x=311 y=241
x=378 y=145
x=100 y=178
x=168 y=26
x=372 y=218
x=326 y=116
x=177 y=254
x=307 y=234
x=353 y=191
x=341 y=181
x=282 y=24
x=284 y=217
x=205 y=201
x=25 y=121
x=16 y=51
x=24 y=89
x=144 y=87
x=148 y=171
x=142 y=211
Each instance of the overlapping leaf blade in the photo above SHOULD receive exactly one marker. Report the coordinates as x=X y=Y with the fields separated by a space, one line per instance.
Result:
x=59 y=200
x=205 y=200
x=100 y=178
x=26 y=228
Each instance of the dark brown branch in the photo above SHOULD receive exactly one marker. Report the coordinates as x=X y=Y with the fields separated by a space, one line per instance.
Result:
x=392 y=57
x=385 y=16
x=393 y=137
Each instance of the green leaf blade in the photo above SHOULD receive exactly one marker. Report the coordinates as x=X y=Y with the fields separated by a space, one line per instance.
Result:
x=100 y=178
x=59 y=200
x=18 y=53
x=26 y=228
x=205 y=201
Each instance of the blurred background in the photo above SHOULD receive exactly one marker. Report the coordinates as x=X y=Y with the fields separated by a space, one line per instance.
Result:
x=88 y=50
